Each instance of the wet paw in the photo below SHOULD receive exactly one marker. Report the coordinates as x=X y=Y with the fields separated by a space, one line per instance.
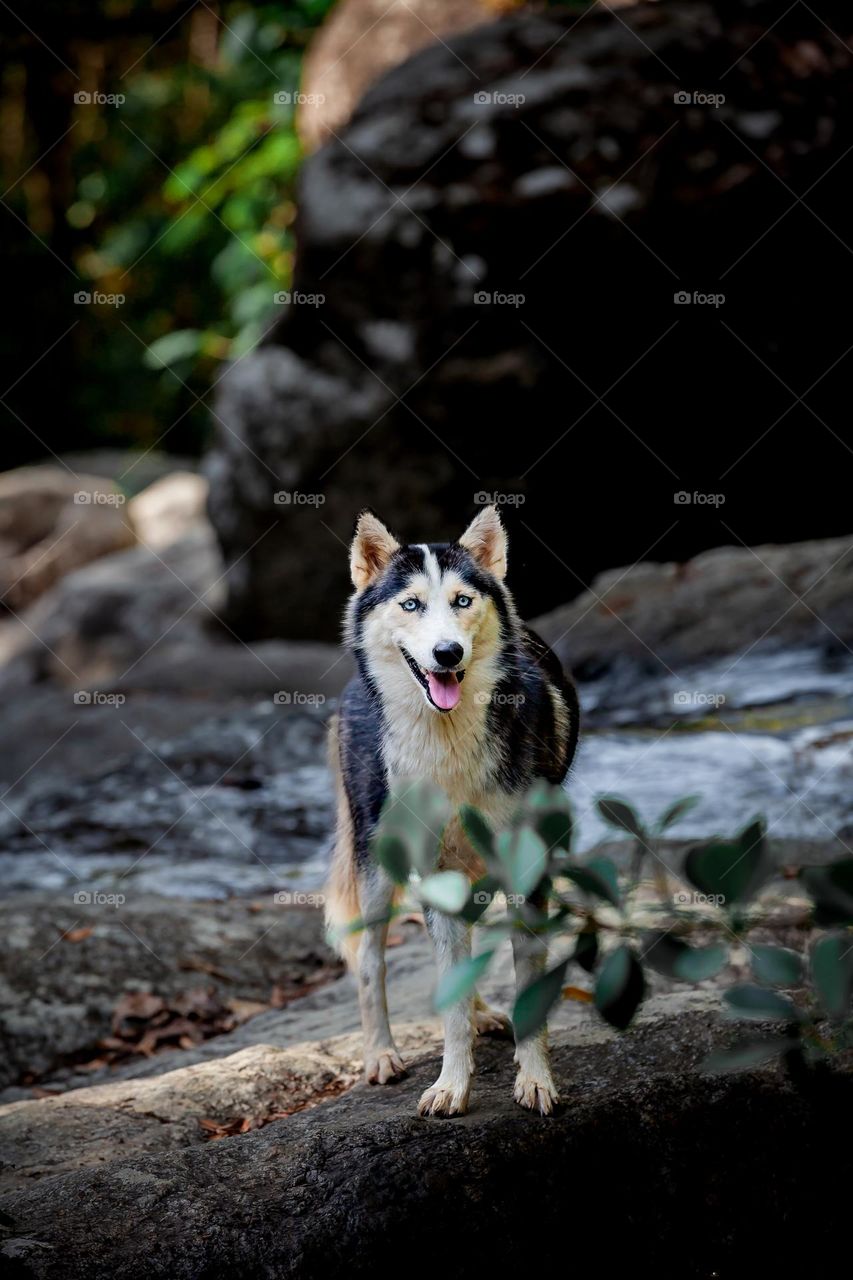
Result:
x=445 y=1099
x=384 y=1067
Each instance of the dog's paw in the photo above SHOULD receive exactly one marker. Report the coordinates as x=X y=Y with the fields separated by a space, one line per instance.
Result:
x=536 y=1094
x=383 y=1067
x=489 y=1022
x=445 y=1098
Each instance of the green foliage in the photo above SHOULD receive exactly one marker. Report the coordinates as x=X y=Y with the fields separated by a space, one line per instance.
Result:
x=590 y=911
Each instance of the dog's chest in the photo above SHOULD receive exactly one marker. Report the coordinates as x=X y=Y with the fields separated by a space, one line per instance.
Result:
x=459 y=760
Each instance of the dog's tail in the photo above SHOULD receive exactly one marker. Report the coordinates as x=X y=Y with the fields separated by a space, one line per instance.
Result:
x=342 y=903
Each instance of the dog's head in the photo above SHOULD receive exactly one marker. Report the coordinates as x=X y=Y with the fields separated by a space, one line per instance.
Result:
x=429 y=613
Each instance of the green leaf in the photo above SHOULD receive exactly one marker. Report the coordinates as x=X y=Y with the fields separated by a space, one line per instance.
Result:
x=672 y=956
x=461 y=980
x=447 y=891
x=618 y=813
x=676 y=811
x=586 y=951
x=478 y=832
x=530 y=1011
x=606 y=868
x=751 y=1053
x=831 y=887
x=620 y=987
x=480 y=898
x=760 y=1005
x=555 y=828
x=525 y=857
x=588 y=880
x=777 y=966
x=416 y=812
x=391 y=854
x=731 y=870
x=832 y=973
x=182 y=344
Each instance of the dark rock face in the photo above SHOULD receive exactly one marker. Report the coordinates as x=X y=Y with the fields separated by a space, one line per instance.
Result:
x=598 y=197
x=649 y=1157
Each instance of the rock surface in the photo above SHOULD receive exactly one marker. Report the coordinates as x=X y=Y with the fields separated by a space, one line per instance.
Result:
x=550 y=162
x=53 y=520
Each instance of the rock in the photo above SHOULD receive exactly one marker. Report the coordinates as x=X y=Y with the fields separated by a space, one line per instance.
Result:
x=549 y=162
x=52 y=521
x=132 y=469
x=169 y=508
x=722 y=602
x=341 y=63
x=66 y=964
x=360 y=1182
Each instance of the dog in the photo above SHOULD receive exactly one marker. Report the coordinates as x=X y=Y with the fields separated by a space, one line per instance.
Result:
x=453 y=688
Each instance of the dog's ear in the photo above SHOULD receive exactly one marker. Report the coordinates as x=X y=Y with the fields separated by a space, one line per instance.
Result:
x=485 y=540
x=372 y=547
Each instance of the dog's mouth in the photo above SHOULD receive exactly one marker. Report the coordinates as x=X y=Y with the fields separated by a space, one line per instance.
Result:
x=441 y=687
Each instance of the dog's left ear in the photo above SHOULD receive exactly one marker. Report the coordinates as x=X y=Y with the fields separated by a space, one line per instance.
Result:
x=485 y=540
x=372 y=547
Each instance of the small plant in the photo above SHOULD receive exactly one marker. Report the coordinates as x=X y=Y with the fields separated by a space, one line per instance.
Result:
x=602 y=921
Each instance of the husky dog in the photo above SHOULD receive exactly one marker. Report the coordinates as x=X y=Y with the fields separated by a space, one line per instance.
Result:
x=451 y=687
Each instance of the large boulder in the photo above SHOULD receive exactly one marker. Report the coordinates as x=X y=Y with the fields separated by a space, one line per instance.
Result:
x=586 y=174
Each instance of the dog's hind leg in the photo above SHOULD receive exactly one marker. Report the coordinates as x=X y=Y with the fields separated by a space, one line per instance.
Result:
x=534 y=1084
x=489 y=1021
x=451 y=939
x=382 y=1061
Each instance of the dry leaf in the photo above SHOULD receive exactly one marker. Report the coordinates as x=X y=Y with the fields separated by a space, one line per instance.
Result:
x=78 y=935
x=578 y=993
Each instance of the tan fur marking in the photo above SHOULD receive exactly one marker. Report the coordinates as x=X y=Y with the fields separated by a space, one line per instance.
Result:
x=485 y=539
x=342 y=905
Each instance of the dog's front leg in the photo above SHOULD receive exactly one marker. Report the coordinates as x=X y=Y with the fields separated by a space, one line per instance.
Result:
x=451 y=939
x=382 y=1062
x=534 y=1084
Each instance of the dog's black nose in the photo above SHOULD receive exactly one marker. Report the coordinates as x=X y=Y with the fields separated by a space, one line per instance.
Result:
x=447 y=653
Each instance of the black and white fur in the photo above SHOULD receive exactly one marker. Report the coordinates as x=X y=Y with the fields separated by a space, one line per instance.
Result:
x=453 y=688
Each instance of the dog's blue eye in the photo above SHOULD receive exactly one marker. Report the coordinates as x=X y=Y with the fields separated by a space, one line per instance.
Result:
x=463 y=601
x=409 y=605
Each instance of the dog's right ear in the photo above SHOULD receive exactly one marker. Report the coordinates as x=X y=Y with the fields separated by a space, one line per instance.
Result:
x=372 y=547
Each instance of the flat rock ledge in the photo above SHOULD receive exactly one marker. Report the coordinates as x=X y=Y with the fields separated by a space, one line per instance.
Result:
x=650 y=1162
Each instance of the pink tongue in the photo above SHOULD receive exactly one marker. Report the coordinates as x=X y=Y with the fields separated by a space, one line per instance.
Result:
x=443 y=689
